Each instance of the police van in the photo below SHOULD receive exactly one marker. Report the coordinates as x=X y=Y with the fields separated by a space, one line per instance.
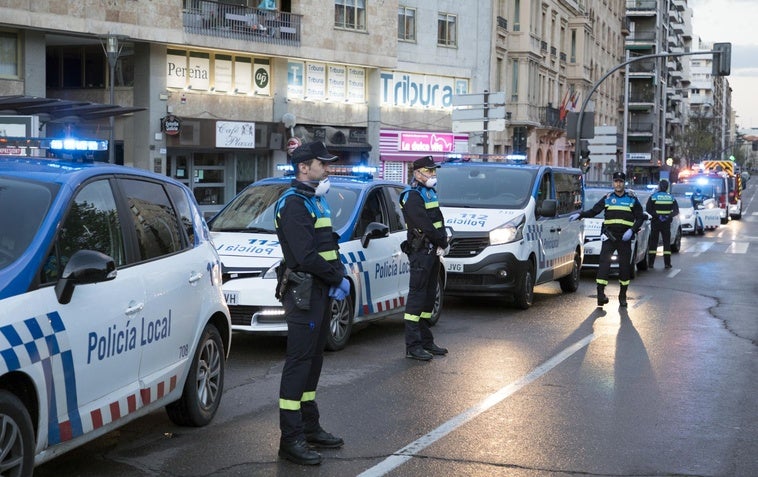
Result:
x=110 y=292
x=510 y=228
x=366 y=216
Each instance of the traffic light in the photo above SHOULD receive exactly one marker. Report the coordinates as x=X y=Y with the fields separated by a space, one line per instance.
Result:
x=722 y=59
x=584 y=149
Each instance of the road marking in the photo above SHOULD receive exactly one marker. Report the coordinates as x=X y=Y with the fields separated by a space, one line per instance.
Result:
x=737 y=247
x=406 y=453
x=641 y=300
x=674 y=272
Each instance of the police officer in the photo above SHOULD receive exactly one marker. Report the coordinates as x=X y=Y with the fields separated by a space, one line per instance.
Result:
x=623 y=218
x=426 y=242
x=697 y=198
x=663 y=207
x=304 y=229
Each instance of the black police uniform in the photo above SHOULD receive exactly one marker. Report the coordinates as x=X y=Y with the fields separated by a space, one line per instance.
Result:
x=304 y=229
x=662 y=206
x=622 y=212
x=426 y=232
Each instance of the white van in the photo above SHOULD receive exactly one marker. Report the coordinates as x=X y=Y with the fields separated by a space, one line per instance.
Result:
x=510 y=228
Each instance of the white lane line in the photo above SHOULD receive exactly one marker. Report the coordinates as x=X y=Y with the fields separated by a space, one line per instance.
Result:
x=406 y=453
x=674 y=272
x=641 y=300
x=738 y=247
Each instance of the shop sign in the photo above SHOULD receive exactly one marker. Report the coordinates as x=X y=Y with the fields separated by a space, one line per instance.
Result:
x=171 y=125
x=426 y=142
x=233 y=134
x=411 y=90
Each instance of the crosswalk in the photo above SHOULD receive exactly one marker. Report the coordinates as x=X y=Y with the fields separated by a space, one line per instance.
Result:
x=698 y=246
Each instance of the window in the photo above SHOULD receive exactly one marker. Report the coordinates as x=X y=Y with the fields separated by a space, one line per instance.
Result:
x=514 y=80
x=91 y=224
x=153 y=218
x=86 y=67
x=573 y=46
x=350 y=14
x=406 y=24
x=516 y=15
x=447 y=31
x=8 y=54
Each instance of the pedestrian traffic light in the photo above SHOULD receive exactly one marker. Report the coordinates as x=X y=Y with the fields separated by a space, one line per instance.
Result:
x=722 y=59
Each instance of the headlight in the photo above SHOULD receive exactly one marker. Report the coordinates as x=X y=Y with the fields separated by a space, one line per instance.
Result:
x=271 y=272
x=509 y=232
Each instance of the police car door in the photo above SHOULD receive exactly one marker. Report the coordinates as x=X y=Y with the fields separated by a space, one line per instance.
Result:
x=546 y=229
x=375 y=267
x=172 y=270
x=92 y=379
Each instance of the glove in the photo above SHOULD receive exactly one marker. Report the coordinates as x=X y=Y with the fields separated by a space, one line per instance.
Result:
x=340 y=292
x=344 y=286
x=627 y=236
x=440 y=251
x=574 y=217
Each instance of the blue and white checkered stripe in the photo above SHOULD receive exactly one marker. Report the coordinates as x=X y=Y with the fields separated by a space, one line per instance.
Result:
x=353 y=261
x=532 y=232
x=43 y=339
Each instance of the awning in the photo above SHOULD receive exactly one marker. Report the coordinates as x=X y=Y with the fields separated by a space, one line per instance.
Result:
x=61 y=110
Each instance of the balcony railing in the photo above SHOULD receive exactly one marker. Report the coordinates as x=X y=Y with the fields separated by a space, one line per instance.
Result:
x=502 y=23
x=644 y=35
x=550 y=117
x=641 y=4
x=205 y=17
x=642 y=127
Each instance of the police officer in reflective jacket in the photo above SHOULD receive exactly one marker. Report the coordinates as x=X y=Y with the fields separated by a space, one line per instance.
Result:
x=426 y=242
x=312 y=276
x=662 y=207
x=623 y=218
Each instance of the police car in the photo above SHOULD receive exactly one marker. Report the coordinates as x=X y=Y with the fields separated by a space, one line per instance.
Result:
x=593 y=237
x=110 y=292
x=367 y=217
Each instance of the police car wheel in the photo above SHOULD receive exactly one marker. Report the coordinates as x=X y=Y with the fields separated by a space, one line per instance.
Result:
x=17 y=437
x=677 y=242
x=205 y=383
x=570 y=283
x=340 y=324
x=438 y=297
x=525 y=295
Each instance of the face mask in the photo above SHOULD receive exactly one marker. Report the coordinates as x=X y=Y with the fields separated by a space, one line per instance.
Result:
x=431 y=182
x=322 y=188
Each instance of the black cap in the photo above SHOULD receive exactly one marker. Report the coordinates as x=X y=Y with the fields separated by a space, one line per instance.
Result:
x=426 y=161
x=663 y=185
x=619 y=175
x=312 y=150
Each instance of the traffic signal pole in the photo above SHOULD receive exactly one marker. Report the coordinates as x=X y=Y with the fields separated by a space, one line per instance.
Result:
x=724 y=67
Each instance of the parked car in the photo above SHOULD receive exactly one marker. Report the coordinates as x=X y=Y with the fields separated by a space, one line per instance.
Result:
x=367 y=217
x=706 y=217
x=593 y=241
x=110 y=291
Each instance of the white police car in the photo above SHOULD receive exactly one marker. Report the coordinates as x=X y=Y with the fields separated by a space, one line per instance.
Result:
x=592 y=235
x=367 y=217
x=110 y=292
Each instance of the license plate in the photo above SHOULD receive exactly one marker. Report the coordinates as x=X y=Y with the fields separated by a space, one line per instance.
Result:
x=232 y=297
x=454 y=267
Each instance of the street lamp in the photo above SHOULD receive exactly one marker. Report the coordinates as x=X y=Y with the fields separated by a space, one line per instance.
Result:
x=112 y=52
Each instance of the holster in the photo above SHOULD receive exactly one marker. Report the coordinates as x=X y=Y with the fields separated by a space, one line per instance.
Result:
x=301 y=285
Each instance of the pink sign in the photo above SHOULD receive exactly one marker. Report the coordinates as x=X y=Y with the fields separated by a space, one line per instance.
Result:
x=426 y=142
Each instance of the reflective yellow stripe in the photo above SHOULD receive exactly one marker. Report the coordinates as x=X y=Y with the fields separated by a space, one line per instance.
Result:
x=289 y=405
x=601 y=282
x=431 y=205
x=624 y=282
x=426 y=314
x=619 y=221
x=323 y=222
x=410 y=317
x=329 y=255
x=619 y=207
x=437 y=225
x=309 y=396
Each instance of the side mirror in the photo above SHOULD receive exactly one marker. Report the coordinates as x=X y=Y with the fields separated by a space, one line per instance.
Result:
x=84 y=267
x=374 y=230
x=549 y=208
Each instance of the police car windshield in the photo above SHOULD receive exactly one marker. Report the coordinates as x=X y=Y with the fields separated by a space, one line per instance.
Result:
x=19 y=224
x=689 y=188
x=484 y=187
x=252 y=210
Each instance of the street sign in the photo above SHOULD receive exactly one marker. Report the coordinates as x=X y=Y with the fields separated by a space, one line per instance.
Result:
x=477 y=126
x=478 y=99
x=477 y=114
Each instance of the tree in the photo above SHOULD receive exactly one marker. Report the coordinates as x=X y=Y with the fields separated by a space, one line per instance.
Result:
x=701 y=138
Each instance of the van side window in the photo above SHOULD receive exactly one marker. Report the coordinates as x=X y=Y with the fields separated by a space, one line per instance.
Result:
x=544 y=191
x=568 y=191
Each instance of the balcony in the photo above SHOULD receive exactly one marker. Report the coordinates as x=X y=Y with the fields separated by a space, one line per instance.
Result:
x=502 y=23
x=642 y=68
x=204 y=17
x=549 y=118
x=641 y=40
x=634 y=7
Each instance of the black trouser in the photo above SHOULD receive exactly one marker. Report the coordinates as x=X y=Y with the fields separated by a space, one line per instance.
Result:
x=624 y=258
x=422 y=290
x=306 y=337
x=664 y=229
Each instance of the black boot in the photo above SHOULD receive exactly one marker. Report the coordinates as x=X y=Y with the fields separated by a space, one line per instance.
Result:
x=650 y=261
x=299 y=453
x=413 y=343
x=667 y=261
x=622 y=296
x=601 y=298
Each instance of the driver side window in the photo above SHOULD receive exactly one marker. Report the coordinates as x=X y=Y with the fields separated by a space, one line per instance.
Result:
x=371 y=212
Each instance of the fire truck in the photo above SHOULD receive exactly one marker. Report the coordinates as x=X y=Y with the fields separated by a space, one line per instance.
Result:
x=735 y=184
